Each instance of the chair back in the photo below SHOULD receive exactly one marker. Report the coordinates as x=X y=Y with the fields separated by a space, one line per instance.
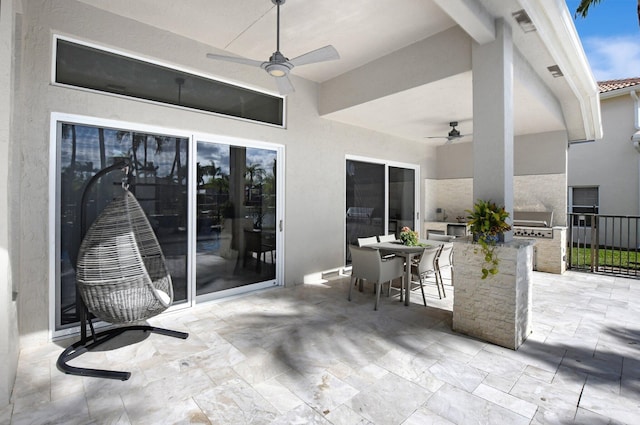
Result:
x=386 y=238
x=428 y=259
x=439 y=237
x=365 y=263
x=445 y=257
x=367 y=241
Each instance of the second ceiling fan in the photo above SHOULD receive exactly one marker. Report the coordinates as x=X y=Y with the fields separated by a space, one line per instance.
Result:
x=278 y=66
x=454 y=134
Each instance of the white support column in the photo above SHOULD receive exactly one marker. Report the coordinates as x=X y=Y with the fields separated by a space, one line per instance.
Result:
x=492 y=65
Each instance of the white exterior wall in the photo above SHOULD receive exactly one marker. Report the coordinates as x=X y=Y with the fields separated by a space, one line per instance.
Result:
x=612 y=163
x=315 y=148
x=9 y=346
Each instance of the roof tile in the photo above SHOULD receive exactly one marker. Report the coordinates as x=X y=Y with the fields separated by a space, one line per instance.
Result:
x=610 y=85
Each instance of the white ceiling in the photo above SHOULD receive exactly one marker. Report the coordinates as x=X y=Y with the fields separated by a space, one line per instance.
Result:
x=361 y=31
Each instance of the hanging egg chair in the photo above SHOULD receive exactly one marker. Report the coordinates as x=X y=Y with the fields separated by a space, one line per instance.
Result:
x=121 y=277
x=121 y=272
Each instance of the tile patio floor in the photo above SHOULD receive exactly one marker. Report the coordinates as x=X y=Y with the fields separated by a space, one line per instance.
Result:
x=305 y=355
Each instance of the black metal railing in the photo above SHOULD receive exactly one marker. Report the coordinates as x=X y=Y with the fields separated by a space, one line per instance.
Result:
x=601 y=243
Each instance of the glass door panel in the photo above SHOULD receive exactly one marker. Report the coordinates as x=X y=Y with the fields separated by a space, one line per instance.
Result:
x=401 y=199
x=235 y=216
x=365 y=201
x=159 y=183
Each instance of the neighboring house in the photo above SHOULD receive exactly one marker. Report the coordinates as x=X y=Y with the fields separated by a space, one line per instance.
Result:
x=604 y=175
x=263 y=190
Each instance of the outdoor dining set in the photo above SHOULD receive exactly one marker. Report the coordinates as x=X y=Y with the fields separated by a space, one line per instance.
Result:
x=383 y=259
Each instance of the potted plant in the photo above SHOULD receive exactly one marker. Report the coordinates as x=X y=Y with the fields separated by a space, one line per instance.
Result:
x=487 y=223
x=409 y=237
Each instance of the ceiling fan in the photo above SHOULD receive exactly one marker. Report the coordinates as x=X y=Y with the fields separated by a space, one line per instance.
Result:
x=453 y=134
x=278 y=65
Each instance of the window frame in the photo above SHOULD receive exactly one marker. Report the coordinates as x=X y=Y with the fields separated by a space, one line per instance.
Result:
x=169 y=66
x=575 y=209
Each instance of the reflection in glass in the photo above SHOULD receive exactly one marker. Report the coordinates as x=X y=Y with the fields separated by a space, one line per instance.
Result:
x=159 y=183
x=401 y=199
x=236 y=219
x=365 y=201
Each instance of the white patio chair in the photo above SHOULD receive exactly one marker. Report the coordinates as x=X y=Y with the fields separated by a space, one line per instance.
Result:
x=425 y=267
x=367 y=265
x=387 y=238
x=445 y=261
x=367 y=241
x=439 y=237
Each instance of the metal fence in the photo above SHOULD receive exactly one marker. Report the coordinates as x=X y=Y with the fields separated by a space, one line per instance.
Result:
x=601 y=243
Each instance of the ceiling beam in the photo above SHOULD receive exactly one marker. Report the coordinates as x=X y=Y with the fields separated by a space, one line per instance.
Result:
x=440 y=56
x=471 y=17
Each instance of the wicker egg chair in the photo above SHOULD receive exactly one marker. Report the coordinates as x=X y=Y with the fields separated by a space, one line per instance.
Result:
x=121 y=273
x=121 y=278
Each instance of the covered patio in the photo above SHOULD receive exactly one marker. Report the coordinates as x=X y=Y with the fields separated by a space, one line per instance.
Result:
x=514 y=77
x=304 y=354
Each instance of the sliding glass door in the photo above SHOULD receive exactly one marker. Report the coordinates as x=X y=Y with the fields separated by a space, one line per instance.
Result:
x=213 y=204
x=236 y=217
x=159 y=180
x=402 y=199
x=381 y=198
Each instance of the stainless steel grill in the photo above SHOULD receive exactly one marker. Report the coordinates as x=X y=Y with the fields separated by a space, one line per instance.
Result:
x=533 y=224
x=533 y=232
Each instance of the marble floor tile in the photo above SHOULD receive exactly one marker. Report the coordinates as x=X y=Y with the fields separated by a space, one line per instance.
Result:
x=550 y=396
x=458 y=374
x=235 y=402
x=302 y=415
x=344 y=415
x=424 y=416
x=389 y=400
x=69 y=410
x=278 y=395
x=601 y=397
x=521 y=407
x=462 y=407
x=323 y=392
x=304 y=354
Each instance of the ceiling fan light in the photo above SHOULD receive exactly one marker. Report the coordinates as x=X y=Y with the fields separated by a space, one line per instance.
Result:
x=277 y=69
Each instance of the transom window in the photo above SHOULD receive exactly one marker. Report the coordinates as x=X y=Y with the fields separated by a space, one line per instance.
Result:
x=92 y=68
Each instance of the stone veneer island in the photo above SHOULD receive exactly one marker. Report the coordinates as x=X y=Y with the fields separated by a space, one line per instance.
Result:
x=496 y=309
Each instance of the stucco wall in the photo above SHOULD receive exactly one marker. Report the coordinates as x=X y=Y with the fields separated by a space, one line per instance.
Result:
x=9 y=343
x=612 y=163
x=315 y=148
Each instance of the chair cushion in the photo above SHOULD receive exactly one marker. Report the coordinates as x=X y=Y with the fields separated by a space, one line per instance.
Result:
x=164 y=297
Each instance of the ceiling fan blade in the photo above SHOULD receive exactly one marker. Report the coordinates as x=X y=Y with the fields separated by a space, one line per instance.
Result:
x=284 y=85
x=236 y=59
x=326 y=53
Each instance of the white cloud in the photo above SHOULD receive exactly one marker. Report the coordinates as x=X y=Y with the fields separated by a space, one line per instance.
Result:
x=613 y=57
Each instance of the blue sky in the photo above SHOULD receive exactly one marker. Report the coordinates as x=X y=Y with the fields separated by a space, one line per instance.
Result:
x=610 y=36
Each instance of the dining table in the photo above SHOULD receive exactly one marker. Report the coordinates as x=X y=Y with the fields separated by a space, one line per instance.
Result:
x=406 y=251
